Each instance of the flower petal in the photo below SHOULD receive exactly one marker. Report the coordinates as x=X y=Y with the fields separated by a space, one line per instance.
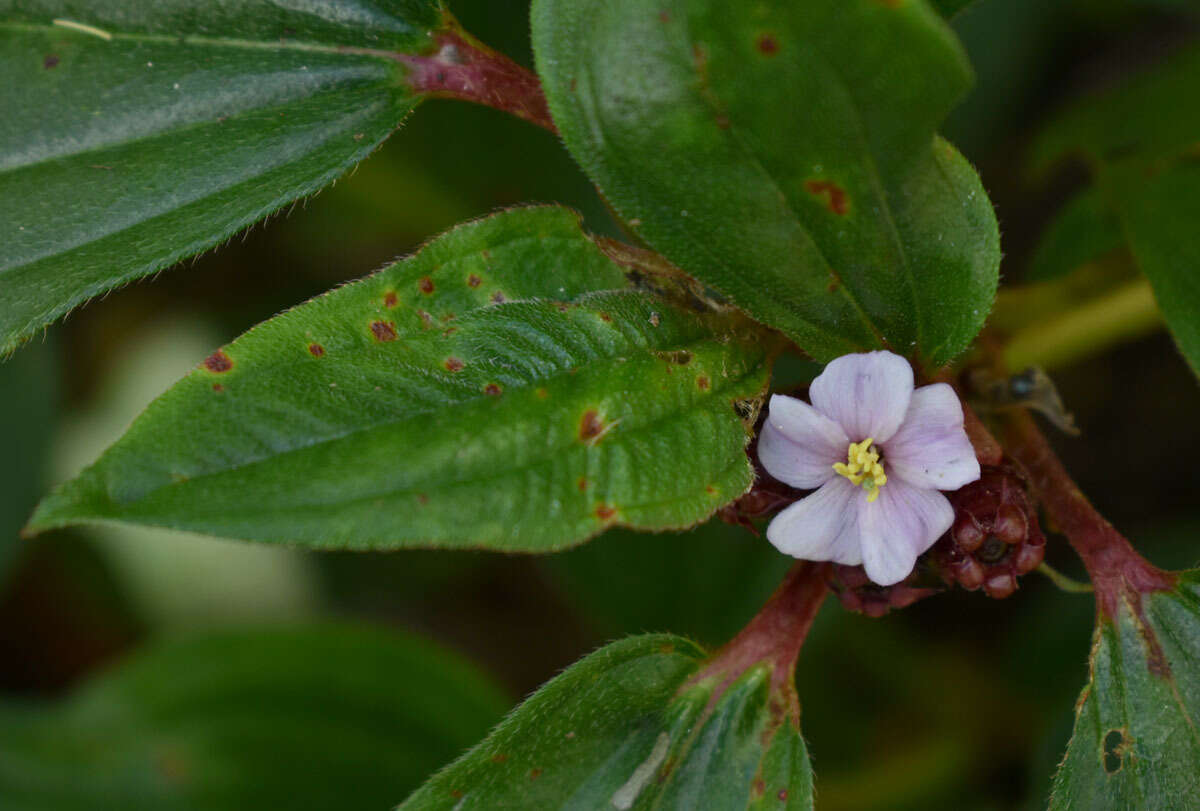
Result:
x=866 y=394
x=799 y=445
x=902 y=523
x=822 y=525
x=931 y=448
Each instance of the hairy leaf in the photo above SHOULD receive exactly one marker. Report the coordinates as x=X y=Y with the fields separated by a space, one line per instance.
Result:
x=1136 y=741
x=307 y=718
x=786 y=156
x=625 y=729
x=477 y=394
x=133 y=135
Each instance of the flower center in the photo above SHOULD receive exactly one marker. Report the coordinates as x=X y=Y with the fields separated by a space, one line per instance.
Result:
x=863 y=468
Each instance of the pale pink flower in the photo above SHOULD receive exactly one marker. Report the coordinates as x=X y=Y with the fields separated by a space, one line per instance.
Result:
x=877 y=453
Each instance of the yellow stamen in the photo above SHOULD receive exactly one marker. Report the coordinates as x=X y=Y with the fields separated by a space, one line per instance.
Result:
x=863 y=468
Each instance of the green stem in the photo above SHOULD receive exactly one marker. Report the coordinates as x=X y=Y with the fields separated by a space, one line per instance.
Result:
x=1126 y=313
x=1063 y=582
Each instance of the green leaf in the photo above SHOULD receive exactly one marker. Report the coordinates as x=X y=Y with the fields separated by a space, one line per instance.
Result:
x=136 y=135
x=1136 y=743
x=1159 y=212
x=1145 y=117
x=625 y=729
x=307 y=718
x=1085 y=229
x=477 y=394
x=1140 y=143
x=785 y=156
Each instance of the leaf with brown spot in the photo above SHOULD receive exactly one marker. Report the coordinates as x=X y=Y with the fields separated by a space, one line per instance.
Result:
x=1137 y=725
x=383 y=331
x=218 y=362
x=761 y=197
x=403 y=436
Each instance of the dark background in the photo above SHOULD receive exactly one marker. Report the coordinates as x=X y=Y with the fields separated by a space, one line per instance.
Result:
x=959 y=702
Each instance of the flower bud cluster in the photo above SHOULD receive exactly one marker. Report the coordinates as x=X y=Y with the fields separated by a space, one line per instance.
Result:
x=995 y=537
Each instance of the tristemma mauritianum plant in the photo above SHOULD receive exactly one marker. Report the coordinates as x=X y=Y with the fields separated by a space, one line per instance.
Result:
x=793 y=323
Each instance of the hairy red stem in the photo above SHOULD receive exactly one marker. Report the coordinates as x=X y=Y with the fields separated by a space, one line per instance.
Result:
x=775 y=636
x=464 y=68
x=1116 y=569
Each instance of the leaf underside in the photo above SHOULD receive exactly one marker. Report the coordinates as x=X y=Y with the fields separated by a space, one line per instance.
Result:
x=503 y=388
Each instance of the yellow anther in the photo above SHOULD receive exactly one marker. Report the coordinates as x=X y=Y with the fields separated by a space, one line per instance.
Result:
x=863 y=468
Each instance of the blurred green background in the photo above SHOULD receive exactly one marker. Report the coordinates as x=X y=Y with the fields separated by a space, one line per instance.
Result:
x=959 y=702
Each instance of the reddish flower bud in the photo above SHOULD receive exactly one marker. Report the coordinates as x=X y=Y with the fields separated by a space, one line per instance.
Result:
x=995 y=537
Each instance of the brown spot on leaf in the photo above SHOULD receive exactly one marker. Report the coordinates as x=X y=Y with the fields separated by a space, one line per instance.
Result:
x=605 y=512
x=605 y=317
x=218 y=362
x=782 y=795
x=453 y=365
x=456 y=794
x=425 y=285
x=767 y=45
x=499 y=758
x=760 y=787
x=383 y=330
x=834 y=284
x=492 y=389
x=218 y=388
x=835 y=197
x=390 y=300
x=664 y=17
x=1116 y=743
x=681 y=357
x=534 y=774
x=582 y=484
x=426 y=319
x=542 y=394
x=591 y=427
x=50 y=62
x=474 y=281
x=708 y=488
x=498 y=298
x=703 y=382
x=316 y=350
x=446 y=333
x=422 y=498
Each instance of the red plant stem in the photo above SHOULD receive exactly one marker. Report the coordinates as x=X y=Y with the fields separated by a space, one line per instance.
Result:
x=464 y=68
x=987 y=449
x=775 y=635
x=1116 y=569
